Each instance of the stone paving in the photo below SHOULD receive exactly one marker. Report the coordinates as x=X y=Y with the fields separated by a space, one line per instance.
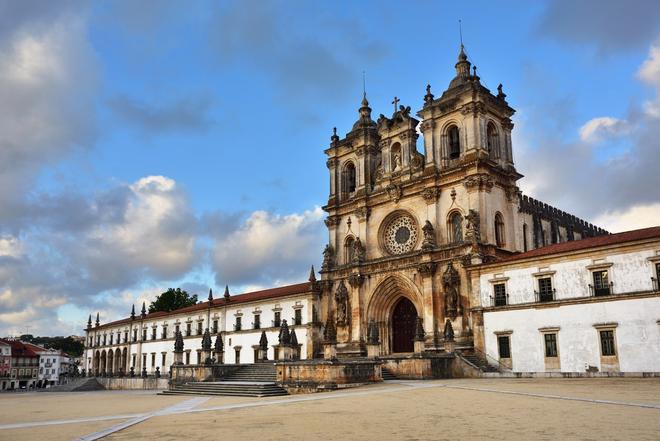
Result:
x=585 y=409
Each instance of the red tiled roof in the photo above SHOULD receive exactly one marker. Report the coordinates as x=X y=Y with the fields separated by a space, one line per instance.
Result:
x=271 y=293
x=583 y=244
x=20 y=349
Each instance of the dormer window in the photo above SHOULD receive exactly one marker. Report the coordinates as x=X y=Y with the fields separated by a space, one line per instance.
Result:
x=453 y=139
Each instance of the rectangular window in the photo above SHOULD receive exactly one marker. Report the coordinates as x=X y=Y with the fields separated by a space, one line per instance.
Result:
x=550 y=345
x=215 y=326
x=656 y=281
x=503 y=344
x=546 y=293
x=153 y=333
x=111 y=338
x=237 y=351
x=176 y=329
x=237 y=325
x=144 y=334
x=134 y=335
x=188 y=329
x=153 y=359
x=297 y=319
x=607 y=343
x=133 y=364
x=164 y=358
x=601 y=283
x=187 y=357
x=199 y=328
x=164 y=332
x=126 y=337
x=144 y=360
x=499 y=290
x=104 y=339
x=257 y=321
x=278 y=319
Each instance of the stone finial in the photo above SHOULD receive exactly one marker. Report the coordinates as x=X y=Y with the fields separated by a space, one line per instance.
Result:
x=206 y=340
x=294 y=338
x=226 y=296
x=144 y=310
x=419 y=330
x=285 y=336
x=89 y=322
x=210 y=296
x=98 y=322
x=219 y=345
x=429 y=236
x=178 y=342
x=157 y=372
x=328 y=258
x=449 y=331
x=312 y=275
x=263 y=341
x=373 y=337
x=428 y=98
x=334 y=138
x=144 y=372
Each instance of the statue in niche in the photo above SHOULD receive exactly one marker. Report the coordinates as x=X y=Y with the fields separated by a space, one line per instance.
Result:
x=396 y=162
x=451 y=282
x=359 y=252
x=472 y=233
x=341 y=299
x=328 y=258
x=429 y=236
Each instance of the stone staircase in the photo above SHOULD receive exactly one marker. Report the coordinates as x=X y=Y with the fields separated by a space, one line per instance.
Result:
x=77 y=385
x=252 y=380
x=478 y=361
x=387 y=375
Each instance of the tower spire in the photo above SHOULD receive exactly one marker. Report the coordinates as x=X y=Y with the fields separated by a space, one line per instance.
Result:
x=210 y=295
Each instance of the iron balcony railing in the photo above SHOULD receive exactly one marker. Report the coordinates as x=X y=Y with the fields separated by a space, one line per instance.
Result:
x=545 y=296
x=605 y=290
x=499 y=300
x=656 y=284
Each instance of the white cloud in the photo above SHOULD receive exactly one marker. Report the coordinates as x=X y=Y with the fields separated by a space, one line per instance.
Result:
x=269 y=247
x=649 y=72
x=638 y=216
x=597 y=129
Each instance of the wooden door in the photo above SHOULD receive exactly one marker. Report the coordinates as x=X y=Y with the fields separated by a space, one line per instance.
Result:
x=404 y=318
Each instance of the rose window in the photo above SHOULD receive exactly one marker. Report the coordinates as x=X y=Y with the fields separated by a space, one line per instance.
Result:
x=400 y=235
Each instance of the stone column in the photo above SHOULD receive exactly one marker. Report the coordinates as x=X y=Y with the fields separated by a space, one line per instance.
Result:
x=178 y=350
x=330 y=340
x=373 y=340
x=419 y=337
x=219 y=349
x=206 y=348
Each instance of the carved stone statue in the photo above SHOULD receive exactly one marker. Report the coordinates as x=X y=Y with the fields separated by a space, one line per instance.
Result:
x=178 y=342
x=449 y=331
x=472 y=233
x=429 y=236
x=285 y=336
x=359 y=252
x=330 y=332
x=328 y=258
x=451 y=282
x=396 y=162
x=341 y=299
x=373 y=337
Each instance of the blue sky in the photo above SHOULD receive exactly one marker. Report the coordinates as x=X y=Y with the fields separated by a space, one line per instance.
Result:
x=167 y=143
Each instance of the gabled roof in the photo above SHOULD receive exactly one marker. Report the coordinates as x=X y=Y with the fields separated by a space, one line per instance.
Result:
x=265 y=294
x=21 y=349
x=584 y=244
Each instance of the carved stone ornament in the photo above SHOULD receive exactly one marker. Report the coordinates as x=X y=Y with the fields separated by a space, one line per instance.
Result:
x=427 y=269
x=356 y=280
x=341 y=300
x=419 y=330
x=472 y=233
x=373 y=337
x=178 y=342
x=429 y=237
x=331 y=162
x=481 y=182
x=394 y=191
x=284 y=336
x=330 y=332
x=430 y=194
x=331 y=221
x=449 y=331
x=400 y=234
x=328 y=258
x=362 y=213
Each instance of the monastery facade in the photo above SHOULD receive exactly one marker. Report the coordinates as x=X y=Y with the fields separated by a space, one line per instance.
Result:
x=426 y=247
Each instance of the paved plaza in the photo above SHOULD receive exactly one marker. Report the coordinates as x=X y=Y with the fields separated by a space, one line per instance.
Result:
x=585 y=409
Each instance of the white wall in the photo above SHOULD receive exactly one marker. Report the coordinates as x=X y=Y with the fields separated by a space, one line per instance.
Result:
x=637 y=334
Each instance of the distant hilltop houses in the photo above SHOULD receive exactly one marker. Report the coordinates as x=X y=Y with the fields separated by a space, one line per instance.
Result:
x=432 y=255
x=26 y=366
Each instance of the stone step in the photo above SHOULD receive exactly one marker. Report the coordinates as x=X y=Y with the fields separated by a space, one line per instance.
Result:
x=387 y=375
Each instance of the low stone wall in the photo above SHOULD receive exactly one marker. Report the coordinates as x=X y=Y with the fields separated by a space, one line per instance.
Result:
x=422 y=367
x=135 y=383
x=320 y=375
x=185 y=373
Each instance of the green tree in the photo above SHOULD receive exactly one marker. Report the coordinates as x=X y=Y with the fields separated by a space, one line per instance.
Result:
x=172 y=299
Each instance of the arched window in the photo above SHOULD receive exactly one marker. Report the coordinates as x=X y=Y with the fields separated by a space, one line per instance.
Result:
x=456 y=227
x=525 y=247
x=454 y=142
x=349 y=178
x=499 y=230
x=349 y=249
x=492 y=141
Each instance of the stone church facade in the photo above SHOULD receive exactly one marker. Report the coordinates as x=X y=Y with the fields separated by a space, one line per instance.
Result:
x=433 y=254
x=404 y=226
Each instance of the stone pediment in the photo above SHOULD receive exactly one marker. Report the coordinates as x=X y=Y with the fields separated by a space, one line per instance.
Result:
x=400 y=119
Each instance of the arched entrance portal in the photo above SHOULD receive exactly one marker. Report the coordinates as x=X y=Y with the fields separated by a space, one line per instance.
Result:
x=404 y=318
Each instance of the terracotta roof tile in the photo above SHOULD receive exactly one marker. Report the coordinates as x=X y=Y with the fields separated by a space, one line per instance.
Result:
x=271 y=293
x=583 y=244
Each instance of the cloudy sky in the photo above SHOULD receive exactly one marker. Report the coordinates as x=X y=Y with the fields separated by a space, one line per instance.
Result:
x=146 y=145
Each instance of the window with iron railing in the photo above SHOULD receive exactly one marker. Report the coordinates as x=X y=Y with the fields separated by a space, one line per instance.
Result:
x=656 y=280
x=297 y=319
x=499 y=294
x=164 y=335
x=545 y=293
x=188 y=329
x=257 y=321
x=602 y=286
x=278 y=319
x=134 y=335
x=200 y=331
x=237 y=325
x=215 y=326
